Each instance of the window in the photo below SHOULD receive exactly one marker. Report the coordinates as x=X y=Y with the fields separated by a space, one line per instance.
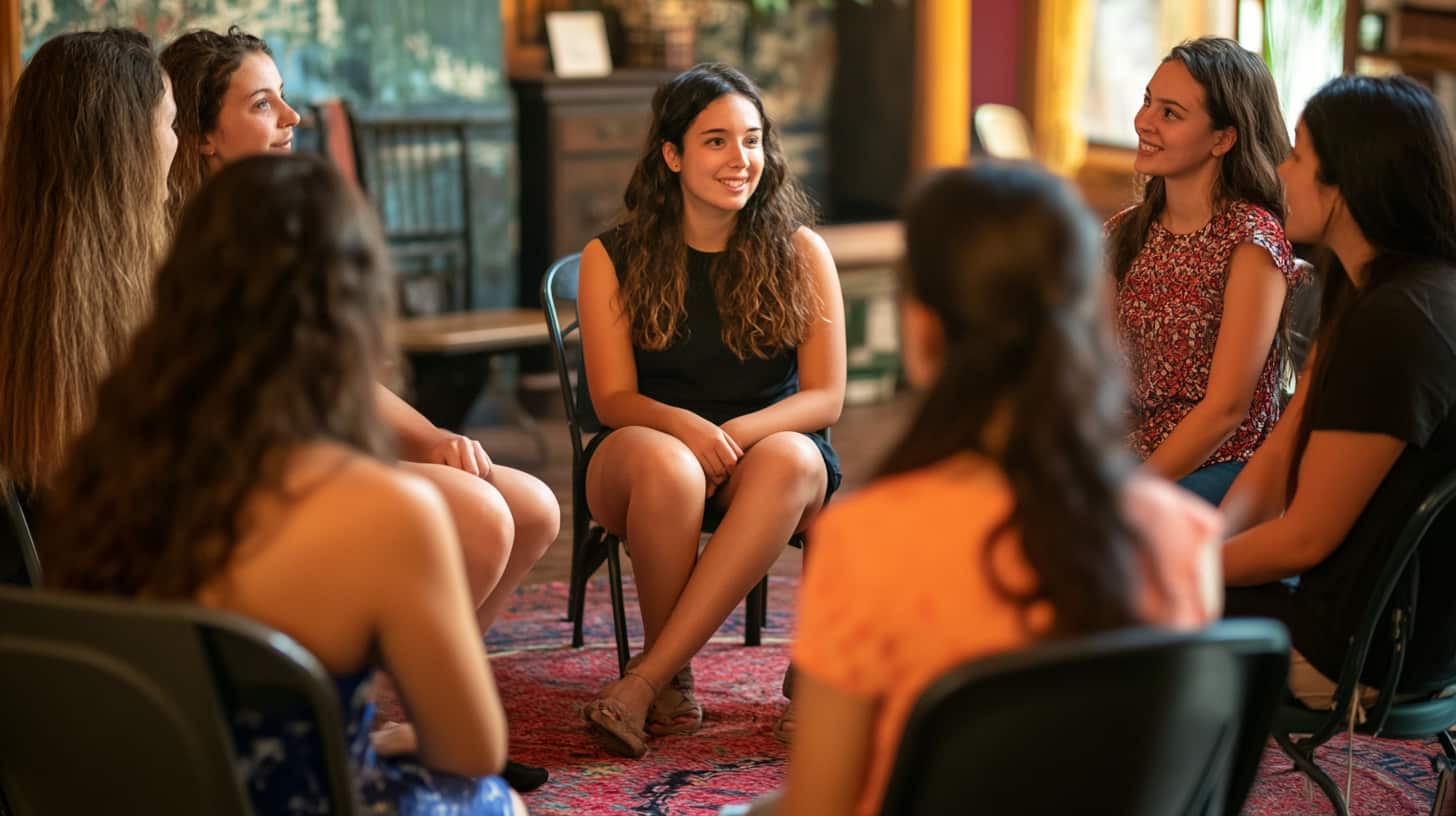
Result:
x=1304 y=44
x=1129 y=39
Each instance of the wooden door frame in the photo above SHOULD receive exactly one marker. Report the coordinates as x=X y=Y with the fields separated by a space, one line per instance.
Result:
x=941 y=132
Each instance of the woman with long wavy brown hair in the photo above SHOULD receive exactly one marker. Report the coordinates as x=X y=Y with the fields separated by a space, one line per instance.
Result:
x=238 y=461
x=1202 y=266
x=82 y=226
x=713 y=334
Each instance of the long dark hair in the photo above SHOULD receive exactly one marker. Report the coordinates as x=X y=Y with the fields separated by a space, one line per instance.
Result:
x=201 y=64
x=1239 y=92
x=762 y=286
x=1010 y=262
x=83 y=225
x=1384 y=143
x=272 y=325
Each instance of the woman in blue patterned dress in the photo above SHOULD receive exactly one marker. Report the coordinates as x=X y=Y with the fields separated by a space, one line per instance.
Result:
x=237 y=459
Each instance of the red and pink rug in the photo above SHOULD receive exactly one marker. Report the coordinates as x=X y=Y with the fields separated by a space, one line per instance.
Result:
x=734 y=758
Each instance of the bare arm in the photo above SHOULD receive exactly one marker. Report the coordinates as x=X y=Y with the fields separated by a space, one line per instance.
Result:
x=1258 y=492
x=429 y=640
x=1339 y=472
x=1252 y=301
x=420 y=440
x=821 y=360
x=833 y=742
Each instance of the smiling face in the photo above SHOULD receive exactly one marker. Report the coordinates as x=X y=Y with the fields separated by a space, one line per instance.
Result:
x=253 y=117
x=721 y=159
x=1309 y=202
x=1176 y=136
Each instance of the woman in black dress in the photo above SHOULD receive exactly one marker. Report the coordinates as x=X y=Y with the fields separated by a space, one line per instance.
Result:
x=713 y=334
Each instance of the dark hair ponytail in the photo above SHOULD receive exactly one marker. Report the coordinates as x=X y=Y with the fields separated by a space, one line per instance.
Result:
x=1010 y=262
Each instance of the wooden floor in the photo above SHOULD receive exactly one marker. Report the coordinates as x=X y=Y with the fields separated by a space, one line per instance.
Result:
x=862 y=437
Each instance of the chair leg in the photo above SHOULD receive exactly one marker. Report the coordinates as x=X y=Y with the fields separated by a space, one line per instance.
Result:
x=585 y=560
x=753 y=614
x=1446 y=763
x=581 y=529
x=619 y=604
x=1305 y=762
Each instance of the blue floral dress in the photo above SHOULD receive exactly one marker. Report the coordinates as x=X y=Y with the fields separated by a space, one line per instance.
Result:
x=279 y=759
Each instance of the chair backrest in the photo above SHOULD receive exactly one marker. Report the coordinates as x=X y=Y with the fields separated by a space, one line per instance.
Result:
x=1138 y=721
x=560 y=284
x=119 y=706
x=1003 y=132
x=1401 y=574
x=18 y=556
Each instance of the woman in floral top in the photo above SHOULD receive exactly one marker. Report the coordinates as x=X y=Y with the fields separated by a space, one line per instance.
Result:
x=1202 y=265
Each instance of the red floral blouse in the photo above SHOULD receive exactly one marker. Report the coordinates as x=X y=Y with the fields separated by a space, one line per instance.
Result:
x=1169 y=308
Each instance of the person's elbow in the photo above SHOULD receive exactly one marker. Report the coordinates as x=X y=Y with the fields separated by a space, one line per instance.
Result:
x=833 y=408
x=1223 y=415
x=608 y=407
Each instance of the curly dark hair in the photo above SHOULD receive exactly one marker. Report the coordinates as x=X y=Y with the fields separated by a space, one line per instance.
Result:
x=273 y=321
x=1009 y=260
x=201 y=64
x=762 y=285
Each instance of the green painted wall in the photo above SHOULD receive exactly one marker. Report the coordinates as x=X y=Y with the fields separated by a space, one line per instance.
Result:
x=386 y=58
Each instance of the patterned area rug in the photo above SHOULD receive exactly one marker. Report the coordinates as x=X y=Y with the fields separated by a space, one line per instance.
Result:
x=734 y=758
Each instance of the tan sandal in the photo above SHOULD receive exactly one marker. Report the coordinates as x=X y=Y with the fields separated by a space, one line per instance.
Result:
x=676 y=710
x=606 y=718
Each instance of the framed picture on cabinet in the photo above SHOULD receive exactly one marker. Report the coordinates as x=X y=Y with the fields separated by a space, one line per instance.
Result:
x=578 y=42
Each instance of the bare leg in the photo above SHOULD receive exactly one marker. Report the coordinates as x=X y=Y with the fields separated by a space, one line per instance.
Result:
x=536 y=516
x=774 y=490
x=482 y=522
x=647 y=487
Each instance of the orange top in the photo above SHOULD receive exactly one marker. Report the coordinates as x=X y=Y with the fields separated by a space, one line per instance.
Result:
x=895 y=595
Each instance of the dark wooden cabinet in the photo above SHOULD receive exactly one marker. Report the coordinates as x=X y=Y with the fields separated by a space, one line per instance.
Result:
x=578 y=141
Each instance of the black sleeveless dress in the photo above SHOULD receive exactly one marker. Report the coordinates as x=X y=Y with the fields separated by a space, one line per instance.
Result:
x=699 y=373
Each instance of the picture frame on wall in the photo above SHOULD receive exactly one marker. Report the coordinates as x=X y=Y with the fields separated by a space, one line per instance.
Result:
x=578 y=44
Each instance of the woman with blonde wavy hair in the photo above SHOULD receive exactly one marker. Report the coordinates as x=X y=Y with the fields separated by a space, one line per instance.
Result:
x=83 y=184
x=713 y=333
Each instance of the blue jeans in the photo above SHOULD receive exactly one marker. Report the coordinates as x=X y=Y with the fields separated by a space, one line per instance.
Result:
x=1212 y=482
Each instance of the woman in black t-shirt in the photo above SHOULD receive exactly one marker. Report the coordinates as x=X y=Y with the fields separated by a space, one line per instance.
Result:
x=1372 y=177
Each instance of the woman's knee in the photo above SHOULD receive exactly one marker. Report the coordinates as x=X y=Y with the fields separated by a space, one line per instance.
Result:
x=655 y=467
x=482 y=523
x=784 y=463
x=534 y=510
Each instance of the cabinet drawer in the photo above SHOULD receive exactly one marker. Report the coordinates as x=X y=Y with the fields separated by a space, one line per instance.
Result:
x=586 y=198
x=602 y=132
